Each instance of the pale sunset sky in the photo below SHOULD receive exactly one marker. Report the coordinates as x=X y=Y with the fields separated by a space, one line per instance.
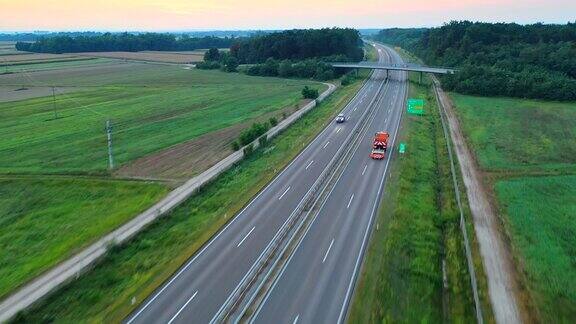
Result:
x=171 y=15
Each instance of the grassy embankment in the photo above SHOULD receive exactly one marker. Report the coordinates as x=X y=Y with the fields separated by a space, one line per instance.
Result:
x=417 y=229
x=47 y=217
x=527 y=151
x=136 y=269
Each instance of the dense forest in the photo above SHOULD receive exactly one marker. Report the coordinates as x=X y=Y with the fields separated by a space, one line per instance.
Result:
x=530 y=61
x=300 y=44
x=290 y=54
x=109 y=42
x=30 y=37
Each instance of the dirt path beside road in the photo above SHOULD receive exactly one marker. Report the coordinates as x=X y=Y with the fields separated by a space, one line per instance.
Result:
x=503 y=288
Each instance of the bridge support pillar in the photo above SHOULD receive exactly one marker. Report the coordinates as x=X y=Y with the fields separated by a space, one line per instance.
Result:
x=420 y=77
x=386 y=74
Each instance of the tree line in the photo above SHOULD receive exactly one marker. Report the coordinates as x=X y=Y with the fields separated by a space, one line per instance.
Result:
x=290 y=54
x=300 y=44
x=304 y=69
x=498 y=59
x=125 y=42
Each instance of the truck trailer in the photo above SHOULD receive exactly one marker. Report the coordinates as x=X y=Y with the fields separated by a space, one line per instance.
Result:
x=379 y=145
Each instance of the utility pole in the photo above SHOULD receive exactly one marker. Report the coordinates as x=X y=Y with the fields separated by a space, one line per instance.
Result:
x=54 y=102
x=109 y=135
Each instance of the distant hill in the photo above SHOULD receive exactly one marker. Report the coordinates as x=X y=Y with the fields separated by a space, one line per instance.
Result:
x=501 y=59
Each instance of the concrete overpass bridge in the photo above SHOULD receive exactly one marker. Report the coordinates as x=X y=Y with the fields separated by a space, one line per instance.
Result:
x=394 y=67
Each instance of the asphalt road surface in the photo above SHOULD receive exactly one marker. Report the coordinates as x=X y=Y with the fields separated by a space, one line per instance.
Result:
x=200 y=288
x=318 y=280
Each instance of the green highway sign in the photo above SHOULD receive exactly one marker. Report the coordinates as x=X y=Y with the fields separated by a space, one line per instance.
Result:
x=402 y=148
x=416 y=106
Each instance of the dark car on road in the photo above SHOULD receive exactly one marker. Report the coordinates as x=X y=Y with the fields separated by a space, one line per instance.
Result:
x=340 y=118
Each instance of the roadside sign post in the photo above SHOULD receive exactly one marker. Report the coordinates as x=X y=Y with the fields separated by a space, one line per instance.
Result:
x=415 y=106
x=402 y=148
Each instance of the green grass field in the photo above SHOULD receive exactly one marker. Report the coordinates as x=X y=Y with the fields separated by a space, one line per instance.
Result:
x=136 y=269
x=402 y=278
x=541 y=216
x=44 y=221
x=512 y=134
x=45 y=215
x=50 y=65
x=150 y=110
x=527 y=149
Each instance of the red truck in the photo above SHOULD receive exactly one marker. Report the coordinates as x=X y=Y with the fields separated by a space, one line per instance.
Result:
x=379 y=145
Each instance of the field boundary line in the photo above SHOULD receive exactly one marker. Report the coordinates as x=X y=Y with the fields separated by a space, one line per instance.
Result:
x=467 y=248
x=69 y=269
x=495 y=258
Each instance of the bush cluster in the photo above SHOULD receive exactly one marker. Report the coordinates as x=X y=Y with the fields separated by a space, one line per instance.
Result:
x=248 y=135
x=307 y=69
x=309 y=93
x=215 y=59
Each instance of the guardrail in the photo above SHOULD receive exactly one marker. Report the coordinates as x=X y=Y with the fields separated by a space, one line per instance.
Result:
x=71 y=268
x=468 y=250
x=293 y=224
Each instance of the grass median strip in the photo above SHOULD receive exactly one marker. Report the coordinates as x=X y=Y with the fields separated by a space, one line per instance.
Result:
x=136 y=269
x=417 y=231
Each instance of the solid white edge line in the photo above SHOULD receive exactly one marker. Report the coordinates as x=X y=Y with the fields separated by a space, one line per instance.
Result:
x=282 y=195
x=246 y=236
x=182 y=308
x=328 y=251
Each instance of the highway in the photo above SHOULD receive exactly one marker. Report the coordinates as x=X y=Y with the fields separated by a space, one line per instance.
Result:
x=196 y=292
x=318 y=280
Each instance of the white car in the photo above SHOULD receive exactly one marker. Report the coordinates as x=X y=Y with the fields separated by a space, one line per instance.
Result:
x=340 y=118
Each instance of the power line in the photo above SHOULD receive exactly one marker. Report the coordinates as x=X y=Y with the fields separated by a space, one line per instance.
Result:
x=109 y=137
x=80 y=105
x=54 y=102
